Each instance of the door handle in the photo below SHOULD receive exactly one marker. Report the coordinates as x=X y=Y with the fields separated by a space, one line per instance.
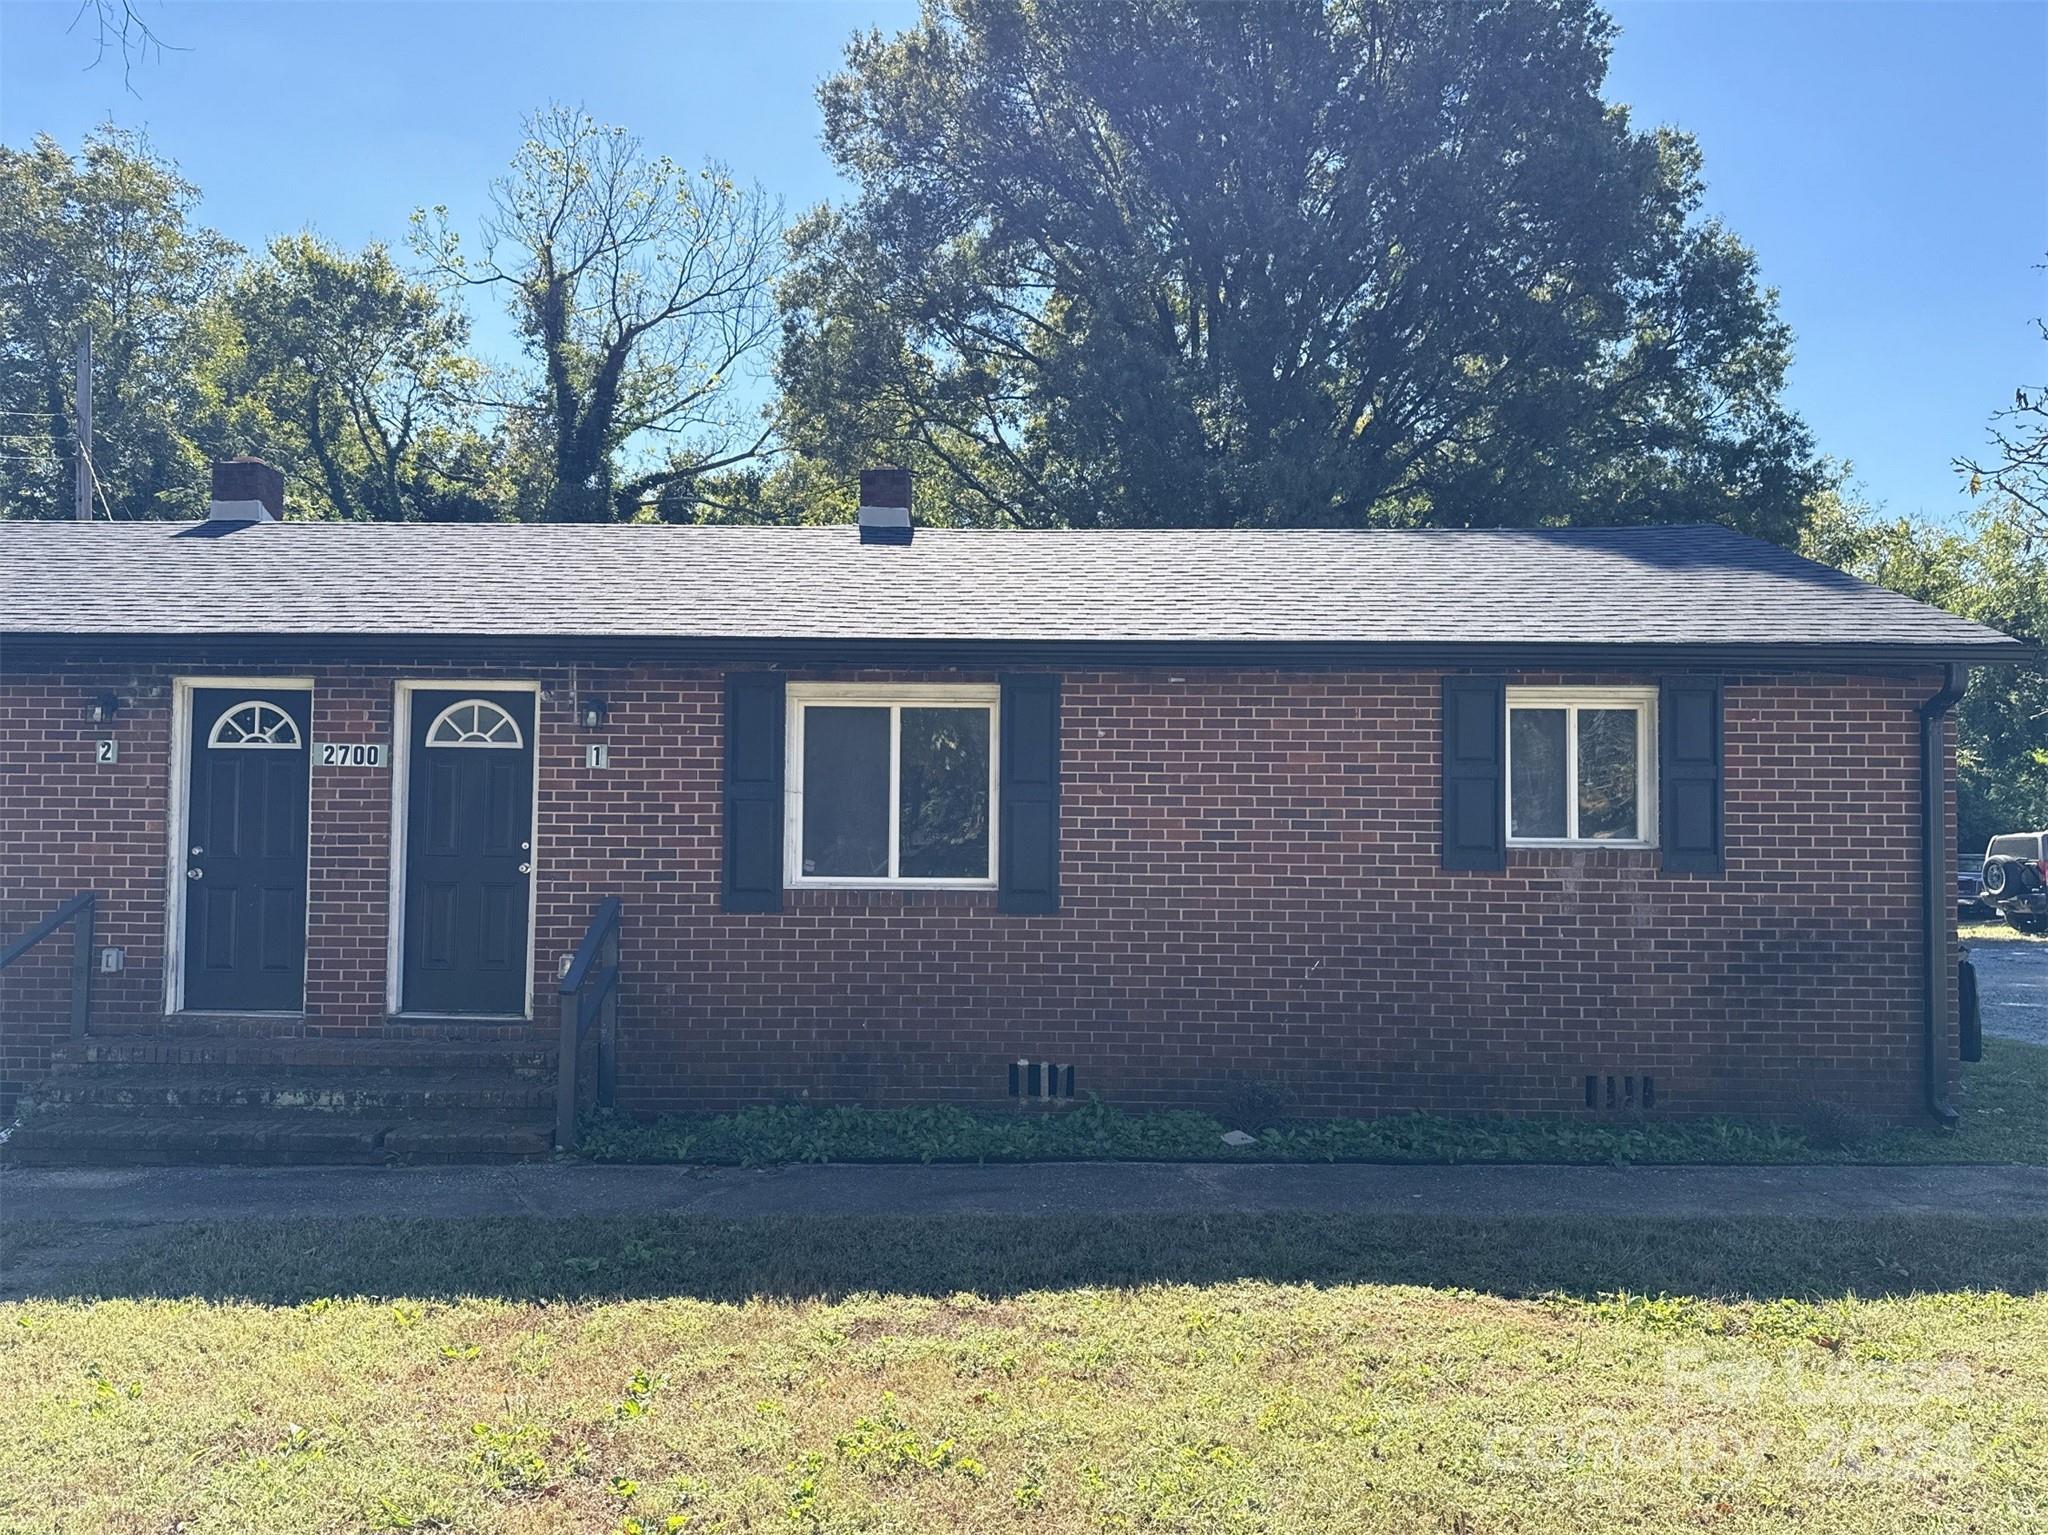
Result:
x=195 y=874
x=526 y=868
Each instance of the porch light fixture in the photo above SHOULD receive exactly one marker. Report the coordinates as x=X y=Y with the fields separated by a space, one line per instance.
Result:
x=102 y=709
x=593 y=713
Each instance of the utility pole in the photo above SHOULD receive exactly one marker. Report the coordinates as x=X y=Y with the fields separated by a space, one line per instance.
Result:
x=82 y=425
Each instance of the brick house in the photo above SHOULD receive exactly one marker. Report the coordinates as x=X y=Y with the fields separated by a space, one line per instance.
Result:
x=1650 y=820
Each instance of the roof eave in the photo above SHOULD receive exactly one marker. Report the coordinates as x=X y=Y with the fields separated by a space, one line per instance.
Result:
x=528 y=649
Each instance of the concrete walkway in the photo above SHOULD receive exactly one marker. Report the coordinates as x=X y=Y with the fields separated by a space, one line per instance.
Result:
x=151 y=1196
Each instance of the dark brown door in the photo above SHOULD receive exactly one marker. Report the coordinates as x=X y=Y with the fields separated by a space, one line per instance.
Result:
x=469 y=852
x=245 y=855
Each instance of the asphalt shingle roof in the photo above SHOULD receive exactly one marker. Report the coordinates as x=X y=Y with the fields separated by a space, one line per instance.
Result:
x=1681 y=586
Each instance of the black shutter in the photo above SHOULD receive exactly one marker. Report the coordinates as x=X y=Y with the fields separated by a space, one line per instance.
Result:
x=1028 y=795
x=753 y=791
x=1475 y=767
x=1689 y=790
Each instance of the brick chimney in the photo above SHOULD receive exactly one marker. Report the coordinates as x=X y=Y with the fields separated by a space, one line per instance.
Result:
x=246 y=490
x=885 y=506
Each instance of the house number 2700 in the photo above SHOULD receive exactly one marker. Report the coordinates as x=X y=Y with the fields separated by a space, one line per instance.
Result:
x=350 y=754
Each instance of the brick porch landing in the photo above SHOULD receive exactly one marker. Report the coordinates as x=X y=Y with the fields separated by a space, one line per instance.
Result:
x=197 y=1099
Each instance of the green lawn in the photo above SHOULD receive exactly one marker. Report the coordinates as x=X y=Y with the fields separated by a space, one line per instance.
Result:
x=1272 y=1373
x=2002 y=1100
x=1996 y=930
x=1309 y=1374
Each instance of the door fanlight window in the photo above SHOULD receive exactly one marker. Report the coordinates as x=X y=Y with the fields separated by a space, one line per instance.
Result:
x=474 y=722
x=254 y=725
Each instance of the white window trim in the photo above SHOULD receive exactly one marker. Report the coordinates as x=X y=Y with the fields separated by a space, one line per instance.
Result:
x=291 y=743
x=1644 y=702
x=485 y=743
x=880 y=695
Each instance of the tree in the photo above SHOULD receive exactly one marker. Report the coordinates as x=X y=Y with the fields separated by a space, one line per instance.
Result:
x=643 y=293
x=2015 y=471
x=107 y=240
x=1304 y=263
x=118 y=26
x=1990 y=571
x=349 y=368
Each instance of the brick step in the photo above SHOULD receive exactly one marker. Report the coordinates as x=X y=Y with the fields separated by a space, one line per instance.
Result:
x=321 y=1090
x=168 y=1139
x=527 y=1058
x=262 y=1026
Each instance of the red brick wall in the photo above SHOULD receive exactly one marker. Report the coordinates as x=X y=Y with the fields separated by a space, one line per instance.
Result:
x=1251 y=891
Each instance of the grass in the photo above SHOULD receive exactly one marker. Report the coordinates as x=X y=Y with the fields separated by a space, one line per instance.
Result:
x=1278 y=1373
x=2002 y=1102
x=1995 y=930
x=1282 y=1373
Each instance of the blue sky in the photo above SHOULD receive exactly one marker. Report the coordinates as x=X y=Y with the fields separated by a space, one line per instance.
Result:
x=1888 y=162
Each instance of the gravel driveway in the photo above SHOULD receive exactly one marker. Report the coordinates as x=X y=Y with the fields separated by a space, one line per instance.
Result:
x=2012 y=985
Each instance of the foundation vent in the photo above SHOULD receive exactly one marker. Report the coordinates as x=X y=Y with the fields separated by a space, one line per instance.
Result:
x=1041 y=1079
x=1620 y=1094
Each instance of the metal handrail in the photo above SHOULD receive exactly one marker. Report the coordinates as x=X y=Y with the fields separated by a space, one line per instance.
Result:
x=80 y=909
x=589 y=991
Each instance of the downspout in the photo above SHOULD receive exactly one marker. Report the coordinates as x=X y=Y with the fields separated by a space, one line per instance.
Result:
x=1936 y=892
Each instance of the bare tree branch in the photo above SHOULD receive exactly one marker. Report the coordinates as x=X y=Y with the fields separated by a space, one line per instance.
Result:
x=2016 y=469
x=119 y=26
x=643 y=289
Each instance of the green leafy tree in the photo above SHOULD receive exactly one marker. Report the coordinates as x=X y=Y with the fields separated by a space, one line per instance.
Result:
x=1990 y=570
x=1303 y=263
x=107 y=239
x=642 y=289
x=358 y=379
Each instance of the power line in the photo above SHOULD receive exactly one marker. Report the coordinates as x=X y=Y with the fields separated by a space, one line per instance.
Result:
x=81 y=405
x=99 y=489
x=93 y=470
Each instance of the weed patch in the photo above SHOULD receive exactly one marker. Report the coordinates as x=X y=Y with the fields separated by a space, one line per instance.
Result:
x=2001 y=1099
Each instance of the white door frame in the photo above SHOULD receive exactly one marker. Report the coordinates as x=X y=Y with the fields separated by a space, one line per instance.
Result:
x=177 y=814
x=401 y=785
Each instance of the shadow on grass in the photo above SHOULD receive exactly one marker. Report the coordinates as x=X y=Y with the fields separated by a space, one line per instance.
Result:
x=633 y=1257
